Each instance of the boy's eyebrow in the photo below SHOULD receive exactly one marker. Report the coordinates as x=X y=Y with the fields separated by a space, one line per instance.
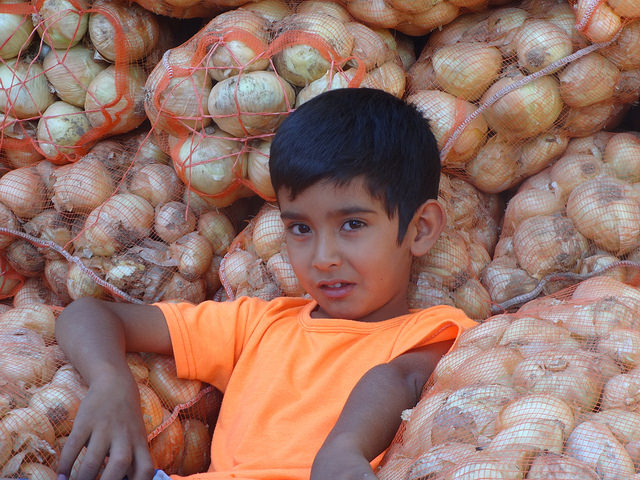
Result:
x=349 y=210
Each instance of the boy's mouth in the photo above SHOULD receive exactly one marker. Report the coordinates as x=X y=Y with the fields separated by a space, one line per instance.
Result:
x=336 y=289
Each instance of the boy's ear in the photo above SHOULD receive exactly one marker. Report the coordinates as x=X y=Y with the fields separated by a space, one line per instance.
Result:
x=428 y=222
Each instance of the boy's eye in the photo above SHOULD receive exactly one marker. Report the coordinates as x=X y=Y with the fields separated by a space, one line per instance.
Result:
x=299 y=229
x=353 y=224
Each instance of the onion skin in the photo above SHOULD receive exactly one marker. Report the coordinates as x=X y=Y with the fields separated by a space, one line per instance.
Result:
x=62 y=23
x=15 y=37
x=168 y=444
x=173 y=220
x=37 y=471
x=588 y=80
x=21 y=190
x=81 y=186
x=39 y=318
x=60 y=405
x=24 y=258
x=156 y=183
x=61 y=130
x=218 y=229
x=163 y=379
x=24 y=92
x=268 y=233
x=194 y=455
x=539 y=43
x=193 y=254
x=179 y=288
x=551 y=466
x=151 y=407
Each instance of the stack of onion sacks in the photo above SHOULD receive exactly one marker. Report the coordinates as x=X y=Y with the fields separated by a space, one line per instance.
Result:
x=548 y=392
x=579 y=215
x=78 y=79
x=504 y=97
x=216 y=101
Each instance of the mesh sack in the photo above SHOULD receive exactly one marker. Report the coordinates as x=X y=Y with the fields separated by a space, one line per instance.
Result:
x=577 y=218
x=215 y=101
x=190 y=9
x=71 y=73
x=257 y=263
x=118 y=223
x=548 y=392
x=41 y=394
x=507 y=88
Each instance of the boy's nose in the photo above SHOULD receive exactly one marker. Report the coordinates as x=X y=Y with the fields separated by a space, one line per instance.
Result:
x=326 y=254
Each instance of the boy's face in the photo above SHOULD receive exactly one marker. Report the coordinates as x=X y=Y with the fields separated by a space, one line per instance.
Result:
x=343 y=248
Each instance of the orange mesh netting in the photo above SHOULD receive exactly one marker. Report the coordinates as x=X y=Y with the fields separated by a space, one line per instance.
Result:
x=41 y=393
x=547 y=392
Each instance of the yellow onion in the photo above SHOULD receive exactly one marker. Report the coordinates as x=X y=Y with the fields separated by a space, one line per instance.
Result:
x=369 y=46
x=37 y=471
x=472 y=298
x=494 y=169
x=24 y=358
x=51 y=226
x=445 y=113
x=218 y=229
x=157 y=183
x=539 y=43
x=624 y=425
x=623 y=345
x=530 y=203
x=231 y=57
x=21 y=190
x=270 y=10
x=540 y=151
x=490 y=465
x=504 y=280
x=622 y=154
x=258 y=169
x=234 y=267
x=193 y=254
x=60 y=130
x=194 y=455
x=280 y=267
x=600 y=287
x=531 y=437
x=115 y=98
x=69 y=377
x=374 y=12
x=23 y=423
x=120 y=221
x=81 y=186
x=326 y=7
x=209 y=164
x=529 y=335
x=401 y=44
x=421 y=23
x=300 y=63
x=625 y=50
x=537 y=408
x=180 y=289
x=329 y=81
x=426 y=290
x=389 y=77
x=479 y=257
x=80 y=284
x=526 y=111
x=168 y=443
x=151 y=408
x=622 y=392
x=173 y=220
x=212 y=276
x=419 y=421
x=606 y=210
x=19 y=141
x=434 y=461
x=494 y=366
x=466 y=69
x=574 y=169
x=16 y=34
x=33 y=292
x=588 y=80
x=24 y=91
x=583 y=121
x=268 y=232
x=62 y=23
x=137 y=367
x=603 y=23
x=181 y=104
x=173 y=391
x=60 y=405
x=603 y=261
x=71 y=71
x=7 y=220
x=551 y=466
x=112 y=24
x=237 y=108
x=453 y=360
x=595 y=445
x=502 y=26
x=39 y=318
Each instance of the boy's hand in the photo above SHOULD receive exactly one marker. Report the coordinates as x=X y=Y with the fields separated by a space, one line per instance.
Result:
x=109 y=423
x=338 y=460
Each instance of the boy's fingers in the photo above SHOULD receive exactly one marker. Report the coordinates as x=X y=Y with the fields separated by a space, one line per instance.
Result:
x=118 y=463
x=72 y=447
x=93 y=460
x=142 y=464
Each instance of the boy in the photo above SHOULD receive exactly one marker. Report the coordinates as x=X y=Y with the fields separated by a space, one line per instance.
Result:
x=311 y=387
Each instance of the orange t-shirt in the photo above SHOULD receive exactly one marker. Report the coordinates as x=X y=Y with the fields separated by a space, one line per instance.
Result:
x=285 y=375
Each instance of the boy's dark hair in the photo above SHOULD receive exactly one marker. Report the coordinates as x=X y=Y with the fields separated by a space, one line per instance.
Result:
x=351 y=132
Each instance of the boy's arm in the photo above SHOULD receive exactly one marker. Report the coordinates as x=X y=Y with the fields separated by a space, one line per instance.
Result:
x=371 y=415
x=95 y=335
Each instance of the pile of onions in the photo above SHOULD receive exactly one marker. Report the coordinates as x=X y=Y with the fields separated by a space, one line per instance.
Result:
x=523 y=395
x=494 y=121
x=578 y=215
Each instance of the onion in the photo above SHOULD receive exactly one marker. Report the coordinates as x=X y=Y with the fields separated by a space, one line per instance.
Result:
x=173 y=220
x=19 y=142
x=280 y=267
x=436 y=460
x=606 y=210
x=71 y=71
x=301 y=63
x=540 y=151
x=529 y=335
x=601 y=287
x=21 y=190
x=156 y=183
x=548 y=243
x=369 y=46
x=237 y=108
x=172 y=390
x=528 y=437
x=22 y=424
x=51 y=226
x=623 y=345
x=417 y=432
x=466 y=69
x=24 y=91
x=623 y=392
x=440 y=13
x=112 y=24
x=193 y=254
x=603 y=23
x=268 y=232
x=451 y=362
x=426 y=290
x=24 y=258
x=7 y=220
x=81 y=186
x=624 y=425
x=588 y=80
x=574 y=169
x=61 y=129
x=603 y=261
x=270 y=10
x=168 y=444
x=180 y=289
x=35 y=292
x=551 y=466
x=622 y=154
x=374 y=12
x=151 y=407
x=473 y=299
x=68 y=377
x=445 y=113
x=329 y=81
x=525 y=112
x=231 y=57
x=209 y=164
x=448 y=259
x=389 y=77
x=583 y=121
x=39 y=318
x=469 y=414
x=403 y=46
x=234 y=267
x=486 y=334
x=492 y=366
x=625 y=50
x=115 y=99
x=258 y=169
x=537 y=408
x=194 y=455
x=504 y=280
x=16 y=34
x=80 y=284
x=539 y=43
x=218 y=229
x=489 y=466
x=179 y=106
x=595 y=445
x=527 y=204
x=60 y=405
x=494 y=169
x=62 y=23
x=502 y=25
x=120 y=221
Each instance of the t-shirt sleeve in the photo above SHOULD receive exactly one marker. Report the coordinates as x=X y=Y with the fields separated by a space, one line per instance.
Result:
x=208 y=338
x=432 y=325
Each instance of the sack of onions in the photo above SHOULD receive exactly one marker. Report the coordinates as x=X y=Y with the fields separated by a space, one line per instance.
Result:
x=10 y=280
x=536 y=394
x=507 y=88
x=578 y=216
